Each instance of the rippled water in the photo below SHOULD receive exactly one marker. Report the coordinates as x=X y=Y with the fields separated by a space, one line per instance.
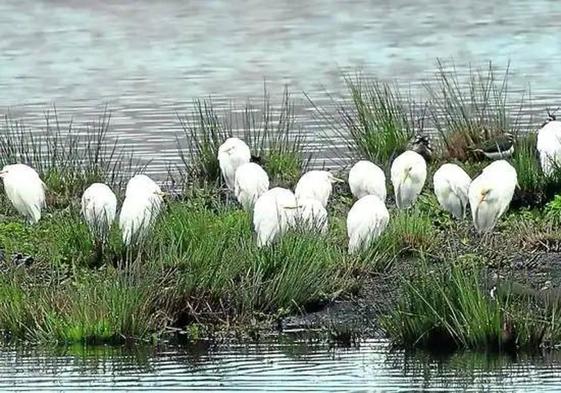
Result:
x=280 y=365
x=148 y=60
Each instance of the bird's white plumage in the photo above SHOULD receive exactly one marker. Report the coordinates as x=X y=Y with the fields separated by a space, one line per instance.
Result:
x=408 y=175
x=366 y=221
x=315 y=185
x=366 y=178
x=451 y=187
x=232 y=154
x=490 y=194
x=251 y=182
x=99 y=206
x=311 y=215
x=143 y=200
x=549 y=146
x=25 y=190
x=273 y=214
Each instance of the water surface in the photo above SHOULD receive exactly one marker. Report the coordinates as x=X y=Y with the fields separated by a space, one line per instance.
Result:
x=148 y=60
x=283 y=364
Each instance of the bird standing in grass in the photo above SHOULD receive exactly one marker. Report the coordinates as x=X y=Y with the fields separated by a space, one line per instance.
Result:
x=408 y=175
x=451 y=187
x=421 y=144
x=366 y=221
x=232 y=154
x=316 y=185
x=498 y=147
x=143 y=200
x=99 y=206
x=549 y=145
x=311 y=215
x=251 y=182
x=274 y=213
x=25 y=190
x=490 y=194
x=366 y=178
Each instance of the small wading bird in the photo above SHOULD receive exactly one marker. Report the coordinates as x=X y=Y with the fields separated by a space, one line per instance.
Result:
x=366 y=178
x=421 y=144
x=251 y=182
x=316 y=185
x=451 y=187
x=25 y=190
x=143 y=200
x=99 y=206
x=366 y=221
x=274 y=213
x=498 y=147
x=232 y=154
x=311 y=215
x=549 y=145
x=408 y=175
x=490 y=194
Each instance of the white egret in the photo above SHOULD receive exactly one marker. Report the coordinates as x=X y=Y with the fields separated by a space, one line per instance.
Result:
x=311 y=215
x=366 y=221
x=143 y=200
x=451 y=187
x=99 y=206
x=490 y=194
x=549 y=146
x=25 y=190
x=408 y=175
x=274 y=213
x=232 y=154
x=366 y=178
x=251 y=182
x=316 y=185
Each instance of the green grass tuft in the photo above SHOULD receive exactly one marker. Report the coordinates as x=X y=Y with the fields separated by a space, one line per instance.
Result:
x=466 y=113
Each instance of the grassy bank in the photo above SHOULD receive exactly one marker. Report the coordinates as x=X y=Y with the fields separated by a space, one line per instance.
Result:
x=201 y=264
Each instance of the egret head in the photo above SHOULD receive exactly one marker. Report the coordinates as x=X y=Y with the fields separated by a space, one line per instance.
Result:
x=5 y=171
x=483 y=194
x=333 y=179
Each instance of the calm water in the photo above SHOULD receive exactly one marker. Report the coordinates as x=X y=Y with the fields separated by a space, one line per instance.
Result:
x=148 y=60
x=280 y=365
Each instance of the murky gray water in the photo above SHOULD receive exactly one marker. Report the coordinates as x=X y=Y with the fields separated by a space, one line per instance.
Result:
x=148 y=60
x=279 y=365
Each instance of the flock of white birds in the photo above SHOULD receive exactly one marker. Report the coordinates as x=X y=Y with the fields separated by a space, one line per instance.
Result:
x=278 y=209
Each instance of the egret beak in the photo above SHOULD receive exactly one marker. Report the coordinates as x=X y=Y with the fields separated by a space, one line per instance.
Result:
x=338 y=180
x=292 y=207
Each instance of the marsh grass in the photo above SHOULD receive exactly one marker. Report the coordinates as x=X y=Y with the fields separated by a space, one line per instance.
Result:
x=223 y=272
x=467 y=113
x=86 y=307
x=447 y=306
x=409 y=232
x=271 y=133
x=67 y=157
x=377 y=126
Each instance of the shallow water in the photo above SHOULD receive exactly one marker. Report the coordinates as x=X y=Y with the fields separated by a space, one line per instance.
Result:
x=283 y=364
x=148 y=60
